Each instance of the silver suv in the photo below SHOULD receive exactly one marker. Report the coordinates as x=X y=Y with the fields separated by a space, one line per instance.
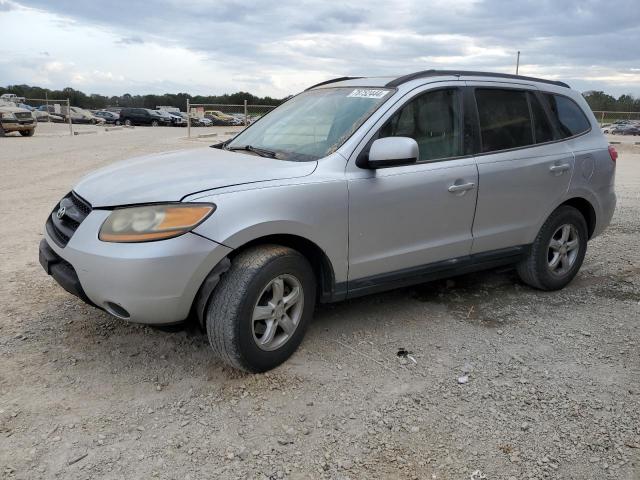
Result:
x=354 y=186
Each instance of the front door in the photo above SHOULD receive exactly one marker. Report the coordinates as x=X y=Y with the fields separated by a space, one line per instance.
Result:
x=404 y=218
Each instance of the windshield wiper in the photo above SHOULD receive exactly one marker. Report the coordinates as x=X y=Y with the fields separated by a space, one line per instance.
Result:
x=263 y=152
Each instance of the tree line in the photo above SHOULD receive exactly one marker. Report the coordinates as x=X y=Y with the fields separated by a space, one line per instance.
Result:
x=601 y=101
x=95 y=101
x=597 y=100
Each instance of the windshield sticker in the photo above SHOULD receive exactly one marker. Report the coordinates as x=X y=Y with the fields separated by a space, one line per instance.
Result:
x=368 y=93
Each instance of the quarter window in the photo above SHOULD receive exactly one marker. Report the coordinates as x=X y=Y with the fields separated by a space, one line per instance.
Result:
x=569 y=117
x=433 y=121
x=504 y=119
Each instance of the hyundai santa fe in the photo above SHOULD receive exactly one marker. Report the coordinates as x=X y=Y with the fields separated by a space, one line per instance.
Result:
x=354 y=186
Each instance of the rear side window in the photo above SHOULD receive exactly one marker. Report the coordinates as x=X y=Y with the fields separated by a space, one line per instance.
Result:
x=569 y=117
x=504 y=119
x=542 y=128
x=433 y=121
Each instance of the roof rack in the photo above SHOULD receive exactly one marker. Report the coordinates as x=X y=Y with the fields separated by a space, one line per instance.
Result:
x=333 y=80
x=458 y=73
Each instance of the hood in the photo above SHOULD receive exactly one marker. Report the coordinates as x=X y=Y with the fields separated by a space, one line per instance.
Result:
x=169 y=177
x=12 y=109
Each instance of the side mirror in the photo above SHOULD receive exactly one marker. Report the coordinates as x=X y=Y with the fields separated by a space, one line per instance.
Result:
x=393 y=152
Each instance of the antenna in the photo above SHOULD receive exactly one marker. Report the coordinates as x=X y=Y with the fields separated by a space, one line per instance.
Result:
x=518 y=62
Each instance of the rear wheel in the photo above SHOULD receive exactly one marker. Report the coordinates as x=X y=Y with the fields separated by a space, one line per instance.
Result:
x=2 y=132
x=557 y=252
x=258 y=313
x=28 y=133
x=127 y=122
x=154 y=123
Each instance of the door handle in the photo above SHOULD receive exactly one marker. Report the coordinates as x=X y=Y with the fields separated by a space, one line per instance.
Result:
x=559 y=168
x=462 y=187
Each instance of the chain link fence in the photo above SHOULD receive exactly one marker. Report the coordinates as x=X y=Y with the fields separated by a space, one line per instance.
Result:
x=223 y=115
x=607 y=118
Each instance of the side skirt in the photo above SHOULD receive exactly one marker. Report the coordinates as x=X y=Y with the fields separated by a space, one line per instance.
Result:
x=432 y=271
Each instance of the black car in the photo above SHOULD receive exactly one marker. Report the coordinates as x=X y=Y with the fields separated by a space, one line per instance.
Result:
x=142 y=116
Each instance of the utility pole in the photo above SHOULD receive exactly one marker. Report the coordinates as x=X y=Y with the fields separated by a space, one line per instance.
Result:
x=518 y=62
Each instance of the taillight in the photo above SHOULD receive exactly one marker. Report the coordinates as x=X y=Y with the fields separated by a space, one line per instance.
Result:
x=613 y=153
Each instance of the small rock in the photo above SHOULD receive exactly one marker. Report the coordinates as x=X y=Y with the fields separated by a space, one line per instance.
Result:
x=463 y=379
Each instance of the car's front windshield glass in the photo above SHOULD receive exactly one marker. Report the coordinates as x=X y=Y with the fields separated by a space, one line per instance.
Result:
x=313 y=124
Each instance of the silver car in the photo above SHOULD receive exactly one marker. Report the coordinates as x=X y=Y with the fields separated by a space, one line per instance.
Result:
x=352 y=187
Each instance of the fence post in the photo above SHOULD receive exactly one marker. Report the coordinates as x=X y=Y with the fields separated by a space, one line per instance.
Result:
x=602 y=119
x=188 y=120
x=69 y=116
x=246 y=118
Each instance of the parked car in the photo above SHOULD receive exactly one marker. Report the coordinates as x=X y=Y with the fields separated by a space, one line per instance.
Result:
x=219 y=119
x=352 y=187
x=626 y=129
x=82 y=116
x=109 y=117
x=142 y=116
x=16 y=119
x=175 y=119
x=200 y=121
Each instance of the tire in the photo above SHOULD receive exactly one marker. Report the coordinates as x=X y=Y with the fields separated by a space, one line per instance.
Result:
x=538 y=269
x=28 y=133
x=127 y=122
x=249 y=284
x=154 y=123
x=2 y=132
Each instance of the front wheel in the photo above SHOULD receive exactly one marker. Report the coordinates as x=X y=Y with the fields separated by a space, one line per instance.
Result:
x=258 y=313
x=557 y=252
x=28 y=133
x=127 y=122
x=154 y=123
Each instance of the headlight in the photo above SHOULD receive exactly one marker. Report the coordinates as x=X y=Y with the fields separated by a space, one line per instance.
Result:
x=7 y=116
x=153 y=222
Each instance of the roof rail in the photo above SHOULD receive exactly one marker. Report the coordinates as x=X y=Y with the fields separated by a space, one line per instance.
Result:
x=333 y=80
x=458 y=73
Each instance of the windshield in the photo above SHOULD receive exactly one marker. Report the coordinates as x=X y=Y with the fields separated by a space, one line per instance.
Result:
x=313 y=124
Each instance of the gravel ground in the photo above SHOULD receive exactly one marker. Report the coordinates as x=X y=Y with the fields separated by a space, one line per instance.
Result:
x=494 y=380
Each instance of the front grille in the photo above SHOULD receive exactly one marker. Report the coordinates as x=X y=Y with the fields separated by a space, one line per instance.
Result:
x=23 y=115
x=75 y=211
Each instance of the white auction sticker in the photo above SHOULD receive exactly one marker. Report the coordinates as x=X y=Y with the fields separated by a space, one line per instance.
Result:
x=368 y=93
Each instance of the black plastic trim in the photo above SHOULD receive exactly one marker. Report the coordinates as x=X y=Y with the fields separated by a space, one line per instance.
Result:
x=435 y=271
x=459 y=73
x=62 y=272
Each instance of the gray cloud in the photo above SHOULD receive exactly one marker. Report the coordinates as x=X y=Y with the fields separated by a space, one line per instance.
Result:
x=378 y=37
x=133 y=40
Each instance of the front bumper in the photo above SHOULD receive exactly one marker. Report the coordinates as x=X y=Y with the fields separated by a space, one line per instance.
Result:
x=152 y=282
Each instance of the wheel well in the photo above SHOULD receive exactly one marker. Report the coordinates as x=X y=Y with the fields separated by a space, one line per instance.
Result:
x=587 y=211
x=319 y=261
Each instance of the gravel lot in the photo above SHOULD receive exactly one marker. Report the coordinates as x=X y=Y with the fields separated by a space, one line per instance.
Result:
x=553 y=386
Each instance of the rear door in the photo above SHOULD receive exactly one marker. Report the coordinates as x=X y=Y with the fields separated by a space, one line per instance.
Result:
x=524 y=171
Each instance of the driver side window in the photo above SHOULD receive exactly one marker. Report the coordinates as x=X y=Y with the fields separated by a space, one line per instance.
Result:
x=433 y=121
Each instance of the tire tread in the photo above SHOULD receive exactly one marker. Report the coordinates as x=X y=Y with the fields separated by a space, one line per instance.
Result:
x=227 y=299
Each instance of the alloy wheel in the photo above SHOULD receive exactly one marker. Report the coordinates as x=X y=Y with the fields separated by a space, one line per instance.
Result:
x=563 y=249
x=277 y=313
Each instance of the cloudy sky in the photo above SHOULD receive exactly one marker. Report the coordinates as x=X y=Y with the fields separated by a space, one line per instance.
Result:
x=278 y=48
